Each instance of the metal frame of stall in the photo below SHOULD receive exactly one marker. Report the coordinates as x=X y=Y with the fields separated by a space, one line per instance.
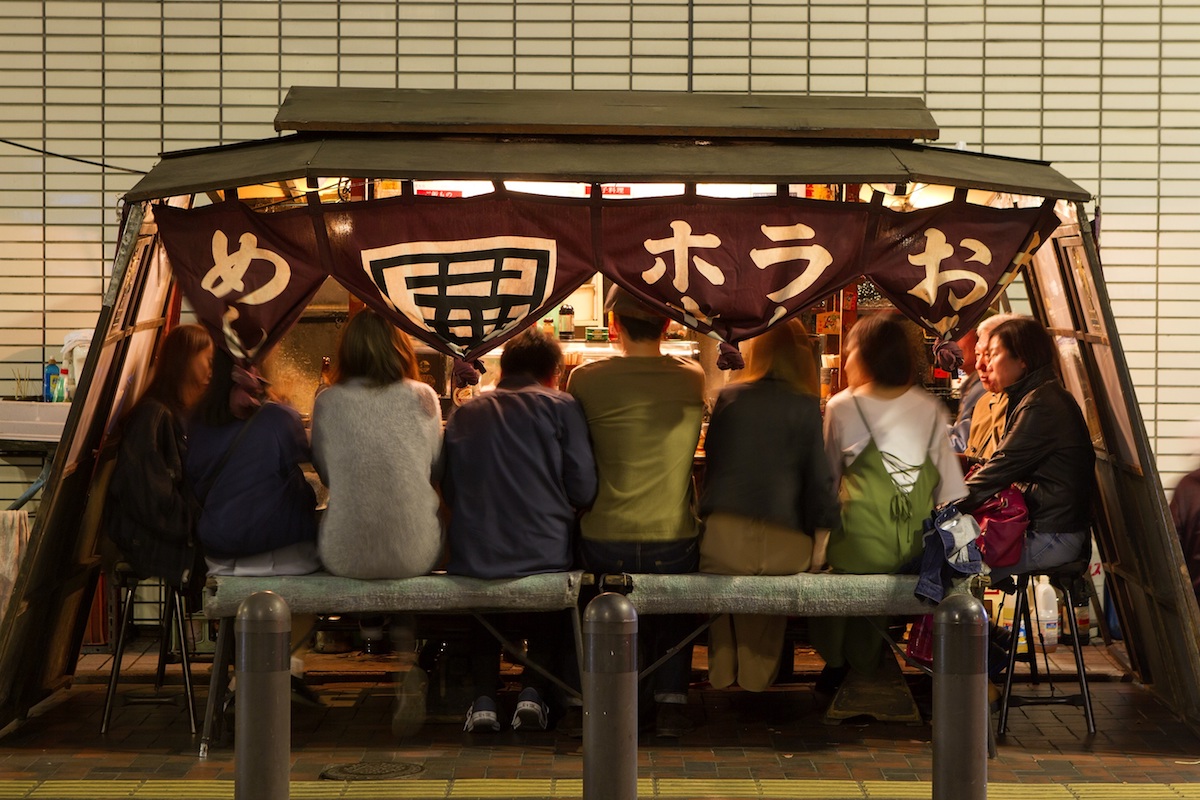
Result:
x=599 y=138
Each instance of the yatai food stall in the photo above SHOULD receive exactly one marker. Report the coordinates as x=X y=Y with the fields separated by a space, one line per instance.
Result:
x=728 y=213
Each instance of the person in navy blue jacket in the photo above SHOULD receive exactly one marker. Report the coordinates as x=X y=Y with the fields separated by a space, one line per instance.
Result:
x=518 y=466
x=245 y=456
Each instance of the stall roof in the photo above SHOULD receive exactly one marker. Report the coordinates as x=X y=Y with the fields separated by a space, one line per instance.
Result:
x=303 y=156
x=603 y=113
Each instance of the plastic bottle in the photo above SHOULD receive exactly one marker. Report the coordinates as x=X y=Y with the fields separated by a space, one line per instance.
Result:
x=1047 y=613
x=1083 y=621
x=60 y=389
x=50 y=377
x=566 y=322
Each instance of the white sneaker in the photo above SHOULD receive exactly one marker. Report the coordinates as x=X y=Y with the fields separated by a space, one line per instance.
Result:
x=481 y=716
x=531 y=714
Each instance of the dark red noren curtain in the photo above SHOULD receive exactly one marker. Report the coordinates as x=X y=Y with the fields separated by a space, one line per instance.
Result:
x=464 y=275
x=249 y=276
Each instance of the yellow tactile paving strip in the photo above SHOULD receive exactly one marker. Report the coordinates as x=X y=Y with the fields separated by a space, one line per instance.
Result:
x=526 y=789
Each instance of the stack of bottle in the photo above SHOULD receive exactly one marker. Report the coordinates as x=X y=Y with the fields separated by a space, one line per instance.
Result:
x=54 y=383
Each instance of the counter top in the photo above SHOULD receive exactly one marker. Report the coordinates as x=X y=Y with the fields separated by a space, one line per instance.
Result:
x=25 y=424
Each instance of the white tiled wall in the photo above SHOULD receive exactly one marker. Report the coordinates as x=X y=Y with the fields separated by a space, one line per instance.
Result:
x=1107 y=90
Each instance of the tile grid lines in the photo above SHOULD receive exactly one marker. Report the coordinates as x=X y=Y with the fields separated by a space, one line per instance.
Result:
x=84 y=90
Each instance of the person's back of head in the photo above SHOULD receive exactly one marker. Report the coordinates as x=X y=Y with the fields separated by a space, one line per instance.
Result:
x=532 y=353
x=213 y=409
x=883 y=351
x=782 y=352
x=376 y=350
x=637 y=321
x=172 y=381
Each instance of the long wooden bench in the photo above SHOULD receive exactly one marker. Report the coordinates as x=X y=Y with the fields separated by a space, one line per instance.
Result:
x=803 y=595
x=320 y=593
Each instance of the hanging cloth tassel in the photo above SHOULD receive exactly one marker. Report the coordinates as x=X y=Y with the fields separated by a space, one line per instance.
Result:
x=466 y=373
x=948 y=356
x=730 y=357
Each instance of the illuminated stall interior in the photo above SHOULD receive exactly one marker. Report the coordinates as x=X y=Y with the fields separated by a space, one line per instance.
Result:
x=356 y=151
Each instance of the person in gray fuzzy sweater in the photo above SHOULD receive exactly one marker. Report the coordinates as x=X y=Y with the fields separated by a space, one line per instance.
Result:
x=377 y=441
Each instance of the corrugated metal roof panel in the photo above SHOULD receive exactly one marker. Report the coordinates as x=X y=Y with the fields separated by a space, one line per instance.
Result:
x=603 y=113
x=717 y=162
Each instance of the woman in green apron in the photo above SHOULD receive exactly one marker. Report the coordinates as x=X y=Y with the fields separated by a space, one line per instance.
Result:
x=889 y=450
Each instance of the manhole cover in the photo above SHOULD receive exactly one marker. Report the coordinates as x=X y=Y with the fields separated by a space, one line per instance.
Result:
x=371 y=771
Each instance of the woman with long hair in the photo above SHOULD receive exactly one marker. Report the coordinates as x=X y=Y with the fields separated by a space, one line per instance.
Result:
x=245 y=460
x=767 y=493
x=889 y=451
x=1046 y=449
x=377 y=444
x=151 y=504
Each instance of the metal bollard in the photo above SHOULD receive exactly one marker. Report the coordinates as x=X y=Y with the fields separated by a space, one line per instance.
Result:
x=610 y=698
x=263 y=726
x=960 y=704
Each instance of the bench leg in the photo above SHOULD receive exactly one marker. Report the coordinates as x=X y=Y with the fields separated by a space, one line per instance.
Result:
x=701 y=628
x=522 y=659
x=577 y=632
x=218 y=684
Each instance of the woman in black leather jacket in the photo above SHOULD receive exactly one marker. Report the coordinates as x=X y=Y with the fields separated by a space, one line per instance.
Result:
x=1046 y=450
x=152 y=509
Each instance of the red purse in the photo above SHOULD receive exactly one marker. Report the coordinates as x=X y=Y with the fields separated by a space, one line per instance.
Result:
x=1003 y=520
x=920 y=640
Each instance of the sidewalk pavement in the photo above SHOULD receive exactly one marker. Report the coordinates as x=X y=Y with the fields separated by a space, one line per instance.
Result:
x=770 y=745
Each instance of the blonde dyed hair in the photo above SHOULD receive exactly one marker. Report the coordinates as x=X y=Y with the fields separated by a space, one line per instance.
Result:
x=782 y=352
x=375 y=349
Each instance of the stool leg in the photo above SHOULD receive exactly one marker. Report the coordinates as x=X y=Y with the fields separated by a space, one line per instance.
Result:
x=218 y=684
x=1078 y=649
x=182 y=626
x=1095 y=608
x=114 y=676
x=164 y=636
x=1030 y=633
x=1018 y=603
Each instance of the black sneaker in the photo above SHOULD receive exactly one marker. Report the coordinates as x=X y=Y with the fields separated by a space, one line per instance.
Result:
x=532 y=714
x=481 y=716
x=671 y=721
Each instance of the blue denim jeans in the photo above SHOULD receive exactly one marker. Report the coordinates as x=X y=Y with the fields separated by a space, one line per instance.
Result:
x=657 y=633
x=1044 y=551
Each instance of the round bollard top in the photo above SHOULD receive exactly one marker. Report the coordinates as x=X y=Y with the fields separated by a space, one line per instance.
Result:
x=960 y=609
x=264 y=612
x=610 y=608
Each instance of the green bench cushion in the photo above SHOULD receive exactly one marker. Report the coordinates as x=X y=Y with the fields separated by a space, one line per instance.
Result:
x=803 y=595
x=322 y=593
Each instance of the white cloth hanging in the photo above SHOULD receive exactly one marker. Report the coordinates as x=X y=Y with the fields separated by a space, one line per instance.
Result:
x=14 y=537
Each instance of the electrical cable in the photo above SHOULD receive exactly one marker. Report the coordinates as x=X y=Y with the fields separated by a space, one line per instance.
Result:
x=72 y=158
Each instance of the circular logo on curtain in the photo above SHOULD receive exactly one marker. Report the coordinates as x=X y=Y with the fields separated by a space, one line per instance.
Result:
x=468 y=291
